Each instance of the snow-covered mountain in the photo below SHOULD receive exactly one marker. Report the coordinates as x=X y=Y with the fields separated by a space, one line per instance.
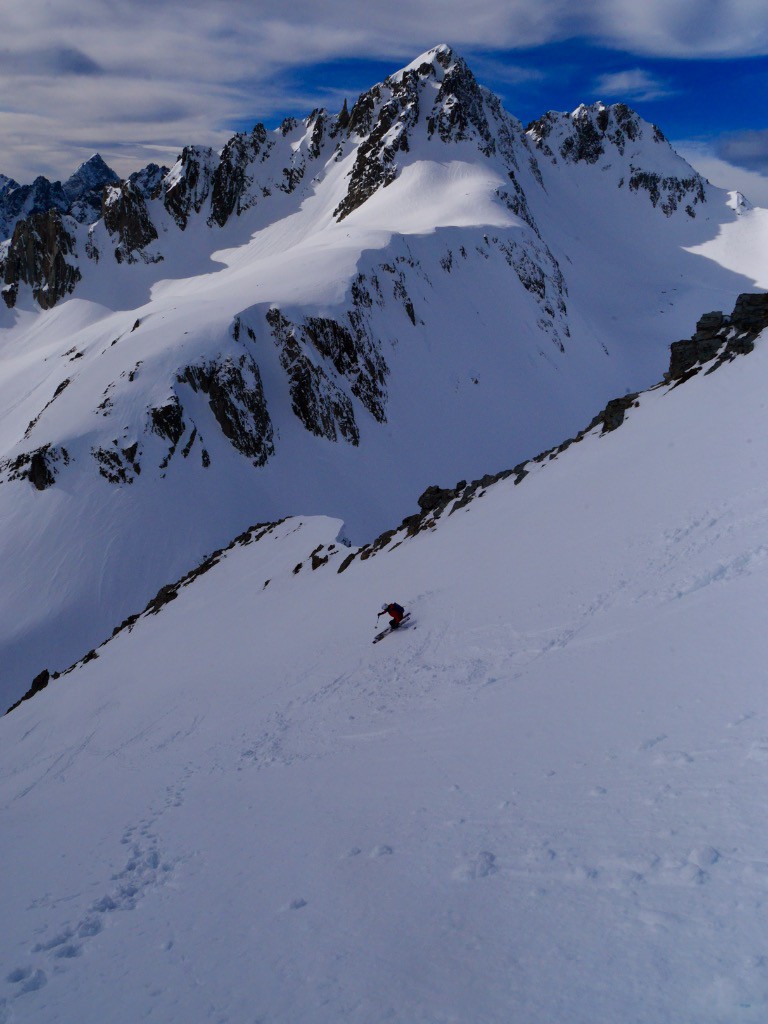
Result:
x=323 y=319
x=80 y=196
x=541 y=801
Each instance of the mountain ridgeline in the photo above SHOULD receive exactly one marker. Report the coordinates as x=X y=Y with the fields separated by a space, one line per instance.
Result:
x=316 y=320
x=436 y=101
x=717 y=340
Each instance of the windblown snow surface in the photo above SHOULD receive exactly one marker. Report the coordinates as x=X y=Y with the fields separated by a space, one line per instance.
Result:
x=544 y=801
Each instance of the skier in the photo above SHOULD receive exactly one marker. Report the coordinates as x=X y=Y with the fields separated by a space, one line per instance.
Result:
x=395 y=610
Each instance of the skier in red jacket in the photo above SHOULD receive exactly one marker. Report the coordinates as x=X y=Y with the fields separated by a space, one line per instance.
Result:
x=395 y=610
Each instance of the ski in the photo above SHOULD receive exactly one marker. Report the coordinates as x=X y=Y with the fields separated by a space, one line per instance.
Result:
x=384 y=632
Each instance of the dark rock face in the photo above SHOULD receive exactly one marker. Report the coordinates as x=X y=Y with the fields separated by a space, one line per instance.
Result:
x=593 y=133
x=168 y=421
x=236 y=397
x=39 y=473
x=385 y=116
x=374 y=166
x=25 y=201
x=126 y=216
x=351 y=354
x=85 y=188
x=320 y=404
x=230 y=178
x=436 y=497
x=188 y=193
x=115 y=465
x=354 y=356
x=79 y=197
x=38 y=683
x=586 y=135
x=612 y=416
x=669 y=192
x=41 y=254
x=7 y=184
x=149 y=180
x=459 y=111
x=719 y=337
x=317 y=121
x=39 y=466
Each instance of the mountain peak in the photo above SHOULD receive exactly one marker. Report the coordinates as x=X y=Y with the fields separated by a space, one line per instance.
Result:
x=93 y=173
x=439 y=58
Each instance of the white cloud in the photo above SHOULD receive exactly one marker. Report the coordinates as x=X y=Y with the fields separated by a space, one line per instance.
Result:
x=634 y=84
x=748 y=149
x=681 y=28
x=724 y=174
x=82 y=74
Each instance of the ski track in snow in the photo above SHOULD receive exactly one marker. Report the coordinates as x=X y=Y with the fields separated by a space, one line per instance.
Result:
x=544 y=800
x=144 y=870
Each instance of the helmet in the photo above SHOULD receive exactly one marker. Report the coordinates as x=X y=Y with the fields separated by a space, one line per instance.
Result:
x=385 y=606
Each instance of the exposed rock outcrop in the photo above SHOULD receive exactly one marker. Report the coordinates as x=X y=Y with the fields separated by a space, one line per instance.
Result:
x=20 y=202
x=459 y=110
x=39 y=466
x=318 y=402
x=149 y=180
x=187 y=188
x=236 y=397
x=355 y=357
x=85 y=188
x=597 y=134
x=126 y=217
x=41 y=254
x=374 y=166
x=79 y=197
x=719 y=337
x=231 y=178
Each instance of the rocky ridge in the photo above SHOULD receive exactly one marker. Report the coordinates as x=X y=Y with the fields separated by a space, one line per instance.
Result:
x=437 y=99
x=718 y=339
x=79 y=196
x=597 y=134
x=332 y=363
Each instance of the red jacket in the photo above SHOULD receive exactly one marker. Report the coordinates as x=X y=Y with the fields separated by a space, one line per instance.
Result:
x=396 y=612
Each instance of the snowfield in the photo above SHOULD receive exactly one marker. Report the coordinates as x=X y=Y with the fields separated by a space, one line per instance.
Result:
x=495 y=293
x=542 y=801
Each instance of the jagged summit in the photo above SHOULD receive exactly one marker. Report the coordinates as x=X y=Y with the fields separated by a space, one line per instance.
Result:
x=439 y=58
x=634 y=153
x=79 y=196
x=574 y=732
x=247 y=333
x=90 y=176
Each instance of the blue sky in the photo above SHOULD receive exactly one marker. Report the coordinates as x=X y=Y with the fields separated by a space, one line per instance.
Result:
x=138 y=81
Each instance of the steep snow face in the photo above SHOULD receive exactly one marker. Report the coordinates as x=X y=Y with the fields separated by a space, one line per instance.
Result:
x=740 y=246
x=325 y=319
x=567 y=743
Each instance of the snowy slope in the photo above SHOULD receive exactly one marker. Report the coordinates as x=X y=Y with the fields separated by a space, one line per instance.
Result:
x=543 y=801
x=323 y=320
